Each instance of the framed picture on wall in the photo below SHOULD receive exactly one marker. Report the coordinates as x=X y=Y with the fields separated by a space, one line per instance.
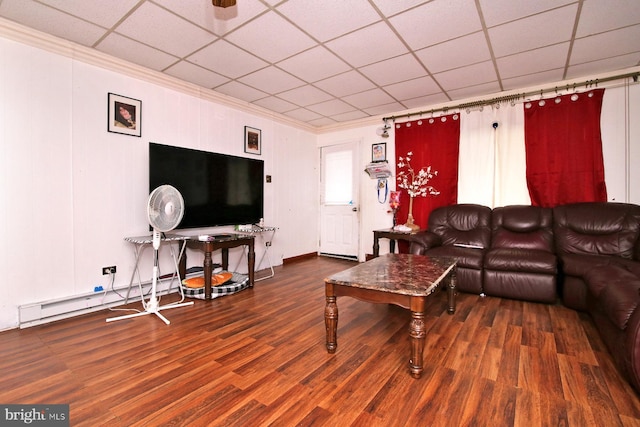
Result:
x=124 y=115
x=252 y=140
x=379 y=152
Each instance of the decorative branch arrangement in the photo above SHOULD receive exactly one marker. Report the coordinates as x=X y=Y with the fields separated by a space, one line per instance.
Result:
x=416 y=184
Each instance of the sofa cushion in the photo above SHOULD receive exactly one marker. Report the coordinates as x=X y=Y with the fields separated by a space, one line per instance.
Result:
x=467 y=257
x=520 y=260
x=597 y=228
x=615 y=292
x=464 y=224
x=527 y=227
x=579 y=264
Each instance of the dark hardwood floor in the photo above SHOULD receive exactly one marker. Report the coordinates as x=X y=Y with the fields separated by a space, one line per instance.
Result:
x=258 y=358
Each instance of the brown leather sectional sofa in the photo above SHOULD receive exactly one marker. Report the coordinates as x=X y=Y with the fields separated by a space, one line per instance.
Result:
x=587 y=254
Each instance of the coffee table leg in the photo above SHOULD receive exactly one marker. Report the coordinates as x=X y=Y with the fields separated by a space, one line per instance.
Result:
x=417 y=334
x=451 y=293
x=331 y=323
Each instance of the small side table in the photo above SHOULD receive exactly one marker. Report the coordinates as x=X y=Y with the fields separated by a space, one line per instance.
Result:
x=393 y=236
x=142 y=242
x=267 y=234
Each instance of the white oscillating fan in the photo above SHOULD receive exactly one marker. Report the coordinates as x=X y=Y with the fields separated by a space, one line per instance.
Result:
x=164 y=211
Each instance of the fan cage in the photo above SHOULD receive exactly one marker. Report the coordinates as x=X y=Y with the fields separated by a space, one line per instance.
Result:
x=165 y=208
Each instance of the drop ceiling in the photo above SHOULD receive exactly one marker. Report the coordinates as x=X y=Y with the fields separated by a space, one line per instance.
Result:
x=322 y=62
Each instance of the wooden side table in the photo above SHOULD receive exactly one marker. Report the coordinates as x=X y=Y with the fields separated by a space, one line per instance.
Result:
x=393 y=236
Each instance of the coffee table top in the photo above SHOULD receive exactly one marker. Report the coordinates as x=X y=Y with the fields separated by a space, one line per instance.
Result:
x=406 y=274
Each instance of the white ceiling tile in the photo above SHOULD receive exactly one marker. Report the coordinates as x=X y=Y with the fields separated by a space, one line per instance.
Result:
x=197 y=75
x=370 y=98
x=314 y=64
x=329 y=108
x=477 y=90
x=155 y=26
x=218 y=20
x=135 y=52
x=423 y=101
x=604 y=65
x=323 y=121
x=303 y=114
x=394 y=70
x=602 y=15
x=271 y=37
x=606 y=45
x=532 y=79
x=431 y=23
x=240 y=91
x=345 y=84
x=533 y=61
x=272 y=80
x=102 y=12
x=384 y=109
x=389 y=8
x=348 y=116
x=530 y=33
x=497 y=12
x=469 y=49
x=49 y=20
x=227 y=59
x=305 y=95
x=413 y=88
x=368 y=45
x=275 y=104
x=467 y=76
x=328 y=19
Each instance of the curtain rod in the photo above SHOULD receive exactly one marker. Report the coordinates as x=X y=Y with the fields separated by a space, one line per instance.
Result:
x=516 y=96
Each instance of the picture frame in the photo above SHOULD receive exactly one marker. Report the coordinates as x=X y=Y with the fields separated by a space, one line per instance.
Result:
x=252 y=140
x=124 y=115
x=379 y=152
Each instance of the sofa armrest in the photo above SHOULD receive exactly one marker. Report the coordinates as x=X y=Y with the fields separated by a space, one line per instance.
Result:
x=423 y=241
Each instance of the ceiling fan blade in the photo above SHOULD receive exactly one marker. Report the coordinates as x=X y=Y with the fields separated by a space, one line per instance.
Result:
x=223 y=3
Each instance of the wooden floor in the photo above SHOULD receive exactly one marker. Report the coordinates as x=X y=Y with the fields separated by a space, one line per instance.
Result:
x=258 y=358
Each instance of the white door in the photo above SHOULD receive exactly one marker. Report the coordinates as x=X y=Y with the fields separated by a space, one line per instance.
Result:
x=339 y=216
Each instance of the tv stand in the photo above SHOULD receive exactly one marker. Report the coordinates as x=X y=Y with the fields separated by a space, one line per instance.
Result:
x=211 y=243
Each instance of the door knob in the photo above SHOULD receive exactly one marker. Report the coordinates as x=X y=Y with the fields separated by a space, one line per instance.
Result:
x=354 y=209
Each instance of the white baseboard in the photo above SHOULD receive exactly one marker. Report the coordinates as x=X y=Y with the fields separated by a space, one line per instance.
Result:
x=63 y=308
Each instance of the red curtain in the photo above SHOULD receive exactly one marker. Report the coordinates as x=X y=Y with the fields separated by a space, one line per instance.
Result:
x=434 y=142
x=564 y=149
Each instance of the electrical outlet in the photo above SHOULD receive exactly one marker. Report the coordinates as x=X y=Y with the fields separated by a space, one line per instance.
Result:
x=109 y=270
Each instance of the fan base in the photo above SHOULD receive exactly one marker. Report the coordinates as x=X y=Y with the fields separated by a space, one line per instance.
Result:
x=155 y=311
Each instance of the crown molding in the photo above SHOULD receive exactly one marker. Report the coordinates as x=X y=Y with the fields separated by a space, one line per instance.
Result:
x=25 y=35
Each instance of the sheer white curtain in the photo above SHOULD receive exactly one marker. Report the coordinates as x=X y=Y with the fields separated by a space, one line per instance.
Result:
x=492 y=161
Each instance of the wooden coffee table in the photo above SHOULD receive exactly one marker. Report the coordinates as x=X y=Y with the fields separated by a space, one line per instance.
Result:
x=401 y=279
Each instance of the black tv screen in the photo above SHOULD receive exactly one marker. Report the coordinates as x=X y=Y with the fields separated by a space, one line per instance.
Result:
x=218 y=189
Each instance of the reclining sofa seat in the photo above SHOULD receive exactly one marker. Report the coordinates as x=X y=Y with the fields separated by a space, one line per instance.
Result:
x=461 y=231
x=521 y=262
x=590 y=235
x=598 y=245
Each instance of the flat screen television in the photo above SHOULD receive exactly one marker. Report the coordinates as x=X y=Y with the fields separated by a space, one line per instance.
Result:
x=218 y=189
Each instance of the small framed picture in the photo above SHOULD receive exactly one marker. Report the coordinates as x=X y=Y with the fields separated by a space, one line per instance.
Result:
x=252 y=140
x=379 y=152
x=124 y=115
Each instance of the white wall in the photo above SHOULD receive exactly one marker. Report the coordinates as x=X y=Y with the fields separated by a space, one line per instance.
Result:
x=71 y=191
